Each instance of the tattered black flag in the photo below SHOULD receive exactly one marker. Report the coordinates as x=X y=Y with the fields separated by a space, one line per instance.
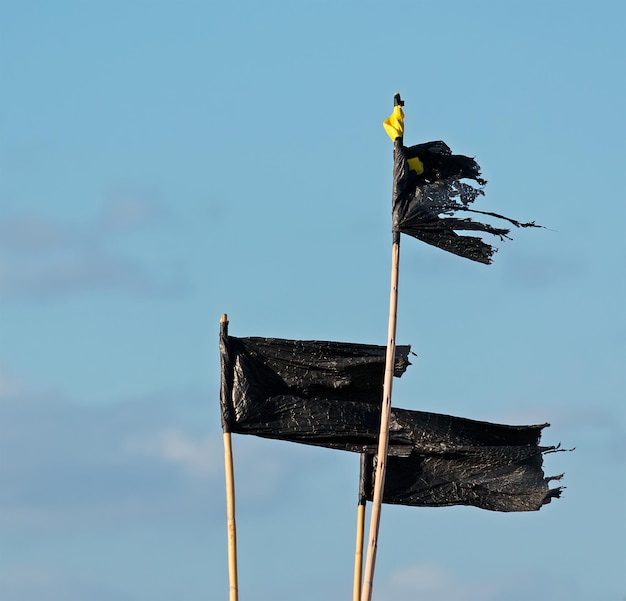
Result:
x=328 y=394
x=458 y=461
x=428 y=191
x=313 y=392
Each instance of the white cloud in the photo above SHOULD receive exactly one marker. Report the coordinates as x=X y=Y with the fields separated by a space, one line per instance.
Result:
x=66 y=466
x=433 y=583
x=261 y=466
x=202 y=456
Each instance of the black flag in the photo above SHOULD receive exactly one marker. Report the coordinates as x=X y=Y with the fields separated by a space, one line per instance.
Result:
x=465 y=462
x=428 y=191
x=312 y=392
x=327 y=394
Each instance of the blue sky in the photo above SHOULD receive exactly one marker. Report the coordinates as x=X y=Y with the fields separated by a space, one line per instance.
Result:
x=163 y=163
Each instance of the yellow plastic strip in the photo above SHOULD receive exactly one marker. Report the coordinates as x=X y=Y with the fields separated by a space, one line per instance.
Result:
x=394 y=124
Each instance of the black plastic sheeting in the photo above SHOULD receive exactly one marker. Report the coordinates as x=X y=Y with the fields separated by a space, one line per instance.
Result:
x=312 y=392
x=330 y=393
x=425 y=204
x=489 y=466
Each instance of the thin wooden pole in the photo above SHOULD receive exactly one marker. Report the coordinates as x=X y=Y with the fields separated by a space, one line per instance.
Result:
x=358 y=555
x=230 y=518
x=365 y=487
x=383 y=440
x=230 y=502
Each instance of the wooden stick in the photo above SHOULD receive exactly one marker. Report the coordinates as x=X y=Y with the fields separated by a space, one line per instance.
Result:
x=365 y=485
x=230 y=501
x=230 y=518
x=358 y=555
x=381 y=465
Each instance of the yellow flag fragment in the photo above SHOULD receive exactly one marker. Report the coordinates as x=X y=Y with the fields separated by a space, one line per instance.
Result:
x=394 y=124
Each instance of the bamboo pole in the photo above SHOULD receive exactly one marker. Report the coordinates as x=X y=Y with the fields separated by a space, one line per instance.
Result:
x=230 y=518
x=383 y=440
x=358 y=555
x=360 y=529
x=230 y=502
x=365 y=485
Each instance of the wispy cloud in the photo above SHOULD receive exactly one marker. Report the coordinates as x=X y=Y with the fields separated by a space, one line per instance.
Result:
x=34 y=583
x=202 y=457
x=124 y=210
x=31 y=234
x=198 y=456
x=69 y=466
x=438 y=583
x=43 y=258
x=58 y=274
x=435 y=583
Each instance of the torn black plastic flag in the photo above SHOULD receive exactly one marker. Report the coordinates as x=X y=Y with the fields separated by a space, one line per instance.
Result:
x=428 y=192
x=328 y=394
x=458 y=461
x=313 y=392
